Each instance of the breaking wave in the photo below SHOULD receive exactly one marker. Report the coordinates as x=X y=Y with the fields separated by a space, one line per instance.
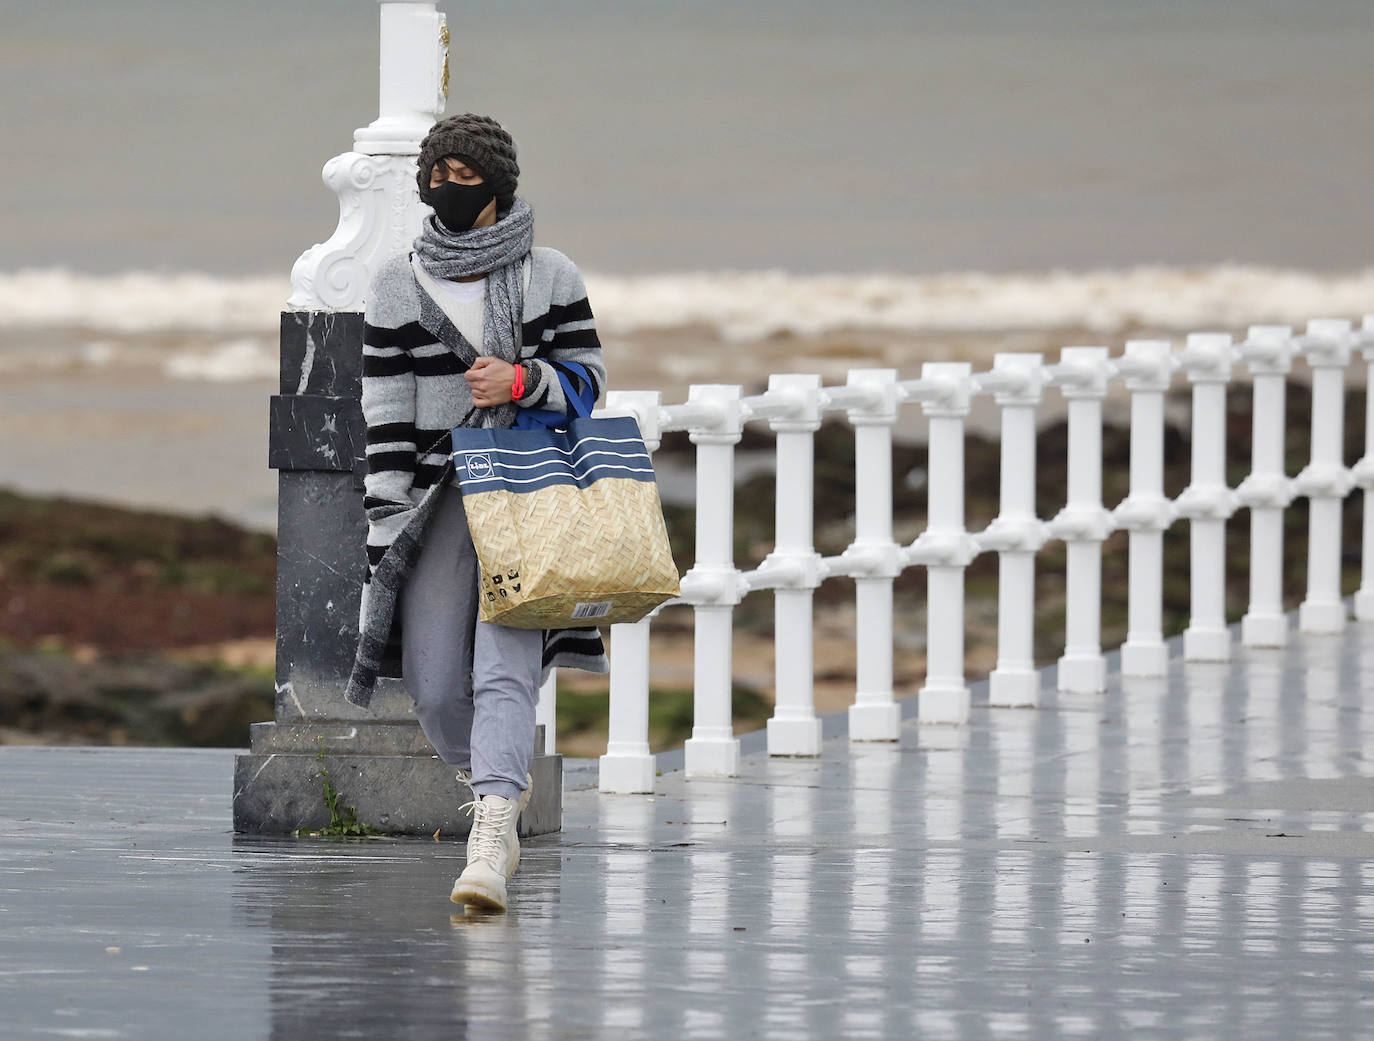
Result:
x=749 y=304
x=205 y=327
x=742 y=306
x=139 y=301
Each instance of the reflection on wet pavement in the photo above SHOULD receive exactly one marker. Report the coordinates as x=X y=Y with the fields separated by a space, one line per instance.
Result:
x=1175 y=858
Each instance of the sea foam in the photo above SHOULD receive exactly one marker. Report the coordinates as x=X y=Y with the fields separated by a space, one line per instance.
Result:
x=246 y=358
x=139 y=301
x=755 y=305
x=745 y=305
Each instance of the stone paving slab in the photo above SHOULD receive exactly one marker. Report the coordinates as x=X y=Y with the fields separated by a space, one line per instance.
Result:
x=1181 y=858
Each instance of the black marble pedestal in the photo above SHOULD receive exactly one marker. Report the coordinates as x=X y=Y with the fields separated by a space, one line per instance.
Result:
x=385 y=772
x=377 y=758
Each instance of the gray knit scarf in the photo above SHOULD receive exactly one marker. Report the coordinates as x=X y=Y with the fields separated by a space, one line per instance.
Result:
x=497 y=252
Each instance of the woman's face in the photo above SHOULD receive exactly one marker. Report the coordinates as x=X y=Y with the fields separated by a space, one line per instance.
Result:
x=450 y=168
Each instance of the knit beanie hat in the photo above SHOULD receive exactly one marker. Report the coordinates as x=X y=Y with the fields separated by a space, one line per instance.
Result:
x=479 y=141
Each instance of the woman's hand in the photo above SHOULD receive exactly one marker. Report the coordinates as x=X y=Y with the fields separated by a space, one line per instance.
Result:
x=491 y=381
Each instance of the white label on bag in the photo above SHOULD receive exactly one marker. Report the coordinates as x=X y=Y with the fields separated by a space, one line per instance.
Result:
x=596 y=610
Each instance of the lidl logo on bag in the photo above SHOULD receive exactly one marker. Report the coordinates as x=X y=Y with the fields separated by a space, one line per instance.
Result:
x=478 y=464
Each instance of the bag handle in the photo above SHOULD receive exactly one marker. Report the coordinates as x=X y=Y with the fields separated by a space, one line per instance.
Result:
x=579 y=404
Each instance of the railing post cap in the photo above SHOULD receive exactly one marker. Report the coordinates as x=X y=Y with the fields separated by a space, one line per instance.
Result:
x=1209 y=341
x=1207 y=357
x=957 y=377
x=1079 y=355
x=1327 y=342
x=1268 y=350
x=806 y=388
x=884 y=383
x=1029 y=368
x=869 y=375
x=1332 y=327
x=1269 y=334
x=646 y=408
x=1148 y=365
x=1150 y=349
x=714 y=392
x=1019 y=361
x=1090 y=369
x=724 y=400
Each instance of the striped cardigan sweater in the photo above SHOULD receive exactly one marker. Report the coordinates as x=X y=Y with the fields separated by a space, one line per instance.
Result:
x=413 y=394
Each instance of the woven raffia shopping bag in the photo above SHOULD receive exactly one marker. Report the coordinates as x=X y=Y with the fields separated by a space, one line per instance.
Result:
x=567 y=524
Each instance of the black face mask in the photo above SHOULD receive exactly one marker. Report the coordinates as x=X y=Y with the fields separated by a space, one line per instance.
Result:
x=459 y=205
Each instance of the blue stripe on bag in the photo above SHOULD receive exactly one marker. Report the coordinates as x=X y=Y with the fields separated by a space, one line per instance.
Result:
x=527 y=460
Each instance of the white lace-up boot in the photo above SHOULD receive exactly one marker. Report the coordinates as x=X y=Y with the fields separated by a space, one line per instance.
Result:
x=493 y=853
x=465 y=778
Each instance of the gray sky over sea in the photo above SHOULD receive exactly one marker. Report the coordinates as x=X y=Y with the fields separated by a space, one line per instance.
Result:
x=656 y=136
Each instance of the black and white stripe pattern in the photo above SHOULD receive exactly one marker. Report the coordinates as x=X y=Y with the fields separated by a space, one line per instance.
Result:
x=413 y=394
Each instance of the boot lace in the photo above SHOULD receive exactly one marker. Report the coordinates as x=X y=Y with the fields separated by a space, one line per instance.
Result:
x=489 y=826
x=465 y=779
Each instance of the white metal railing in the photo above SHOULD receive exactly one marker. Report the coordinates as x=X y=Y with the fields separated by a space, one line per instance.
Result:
x=793 y=407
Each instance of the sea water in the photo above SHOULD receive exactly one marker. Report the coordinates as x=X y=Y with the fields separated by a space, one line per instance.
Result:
x=749 y=187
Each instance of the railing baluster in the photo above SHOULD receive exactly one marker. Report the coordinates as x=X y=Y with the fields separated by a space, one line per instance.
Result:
x=1083 y=524
x=794 y=728
x=713 y=585
x=1146 y=369
x=714 y=416
x=546 y=711
x=1364 y=477
x=1325 y=480
x=628 y=765
x=873 y=559
x=1207 y=501
x=945 y=548
x=1268 y=353
x=1017 y=534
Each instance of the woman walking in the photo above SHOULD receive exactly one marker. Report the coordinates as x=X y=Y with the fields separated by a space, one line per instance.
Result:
x=475 y=327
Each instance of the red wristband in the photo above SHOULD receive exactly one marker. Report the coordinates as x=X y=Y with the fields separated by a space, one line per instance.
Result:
x=517 y=389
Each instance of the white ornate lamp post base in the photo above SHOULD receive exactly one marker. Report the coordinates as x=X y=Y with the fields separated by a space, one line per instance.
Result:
x=378 y=759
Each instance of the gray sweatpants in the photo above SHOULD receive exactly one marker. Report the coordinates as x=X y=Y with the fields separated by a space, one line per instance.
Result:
x=475 y=684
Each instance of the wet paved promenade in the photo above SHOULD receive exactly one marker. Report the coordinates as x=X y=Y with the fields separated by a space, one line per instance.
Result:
x=1186 y=859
